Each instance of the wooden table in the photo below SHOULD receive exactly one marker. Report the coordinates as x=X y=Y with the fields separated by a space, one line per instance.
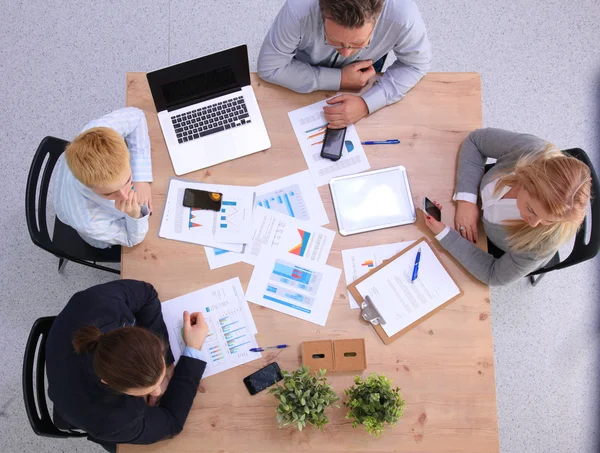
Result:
x=445 y=366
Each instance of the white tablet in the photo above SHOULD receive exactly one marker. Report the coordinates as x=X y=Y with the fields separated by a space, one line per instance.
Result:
x=372 y=200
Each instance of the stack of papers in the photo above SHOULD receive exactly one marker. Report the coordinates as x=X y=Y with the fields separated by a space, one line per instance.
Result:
x=288 y=212
x=231 y=328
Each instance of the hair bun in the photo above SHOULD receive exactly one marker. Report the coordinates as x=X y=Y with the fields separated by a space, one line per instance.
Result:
x=86 y=339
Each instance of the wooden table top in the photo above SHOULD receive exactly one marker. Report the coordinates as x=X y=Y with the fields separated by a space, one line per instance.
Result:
x=444 y=366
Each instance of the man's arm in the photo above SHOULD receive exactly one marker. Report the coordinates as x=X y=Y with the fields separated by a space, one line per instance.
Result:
x=130 y=123
x=413 y=59
x=277 y=63
x=101 y=230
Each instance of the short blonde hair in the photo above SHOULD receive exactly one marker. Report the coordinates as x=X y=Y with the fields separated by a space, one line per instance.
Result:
x=563 y=185
x=98 y=156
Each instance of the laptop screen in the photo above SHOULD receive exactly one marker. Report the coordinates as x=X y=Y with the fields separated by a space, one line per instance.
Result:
x=200 y=79
x=200 y=86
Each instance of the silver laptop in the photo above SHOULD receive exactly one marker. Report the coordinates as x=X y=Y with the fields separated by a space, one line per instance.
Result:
x=208 y=111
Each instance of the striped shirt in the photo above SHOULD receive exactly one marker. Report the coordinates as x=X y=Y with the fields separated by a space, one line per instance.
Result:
x=96 y=219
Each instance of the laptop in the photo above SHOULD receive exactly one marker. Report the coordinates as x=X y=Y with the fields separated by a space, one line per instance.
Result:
x=208 y=111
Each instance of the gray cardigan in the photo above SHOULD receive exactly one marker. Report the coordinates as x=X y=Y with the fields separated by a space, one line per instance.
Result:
x=507 y=147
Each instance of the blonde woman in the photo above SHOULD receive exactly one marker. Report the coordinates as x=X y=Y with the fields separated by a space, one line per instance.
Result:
x=533 y=200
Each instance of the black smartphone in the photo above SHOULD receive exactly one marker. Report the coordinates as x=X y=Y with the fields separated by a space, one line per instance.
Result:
x=201 y=199
x=263 y=378
x=333 y=143
x=432 y=209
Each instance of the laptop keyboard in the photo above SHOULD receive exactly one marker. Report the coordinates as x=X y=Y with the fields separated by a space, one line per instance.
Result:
x=211 y=119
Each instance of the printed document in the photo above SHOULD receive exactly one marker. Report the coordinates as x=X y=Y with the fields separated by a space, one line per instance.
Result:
x=295 y=196
x=275 y=232
x=359 y=261
x=402 y=302
x=294 y=286
x=231 y=328
x=227 y=229
x=309 y=126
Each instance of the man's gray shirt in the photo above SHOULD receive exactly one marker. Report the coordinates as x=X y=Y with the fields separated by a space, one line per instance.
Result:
x=294 y=53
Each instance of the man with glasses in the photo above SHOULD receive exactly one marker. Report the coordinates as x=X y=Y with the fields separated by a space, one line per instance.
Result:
x=339 y=45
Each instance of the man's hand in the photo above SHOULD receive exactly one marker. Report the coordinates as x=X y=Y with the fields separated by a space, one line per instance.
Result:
x=346 y=109
x=356 y=75
x=130 y=206
x=467 y=217
x=195 y=329
x=144 y=194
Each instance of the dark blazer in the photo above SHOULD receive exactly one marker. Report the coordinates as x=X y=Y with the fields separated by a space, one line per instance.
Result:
x=83 y=401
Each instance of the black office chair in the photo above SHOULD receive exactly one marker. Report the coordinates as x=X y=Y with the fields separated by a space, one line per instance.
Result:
x=65 y=244
x=582 y=250
x=38 y=414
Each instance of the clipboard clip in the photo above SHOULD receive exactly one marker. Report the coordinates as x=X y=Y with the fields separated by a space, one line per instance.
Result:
x=370 y=313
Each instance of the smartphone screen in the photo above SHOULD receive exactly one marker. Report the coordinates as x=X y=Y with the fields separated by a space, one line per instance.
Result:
x=201 y=199
x=333 y=143
x=263 y=378
x=432 y=210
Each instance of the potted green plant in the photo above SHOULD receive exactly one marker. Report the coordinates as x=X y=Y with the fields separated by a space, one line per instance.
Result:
x=373 y=403
x=303 y=398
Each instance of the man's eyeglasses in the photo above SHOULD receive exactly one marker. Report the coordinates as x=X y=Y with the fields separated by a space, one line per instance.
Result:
x=340 y=47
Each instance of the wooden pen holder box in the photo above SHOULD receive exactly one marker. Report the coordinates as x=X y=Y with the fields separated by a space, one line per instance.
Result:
x=335 y=355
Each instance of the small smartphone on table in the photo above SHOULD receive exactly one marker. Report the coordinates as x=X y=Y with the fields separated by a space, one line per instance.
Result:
x=432 y=209
x=333 y=144
x=201 y=199
x=263 y=378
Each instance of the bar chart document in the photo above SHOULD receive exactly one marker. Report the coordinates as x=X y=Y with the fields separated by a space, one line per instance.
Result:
x=231 y=328
x=295 y=196
x=275 y=232
x=294 y=286
x=309 y=126
x=227 y=229
x=401 y=301
x=359 y=261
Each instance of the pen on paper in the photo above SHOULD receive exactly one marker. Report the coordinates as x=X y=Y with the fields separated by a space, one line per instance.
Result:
x=415 y=273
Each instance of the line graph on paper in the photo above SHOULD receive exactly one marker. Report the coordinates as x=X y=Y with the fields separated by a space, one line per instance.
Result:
x=230 y=216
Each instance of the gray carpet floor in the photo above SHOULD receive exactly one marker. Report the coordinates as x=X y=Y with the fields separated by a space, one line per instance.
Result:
x=63 y=63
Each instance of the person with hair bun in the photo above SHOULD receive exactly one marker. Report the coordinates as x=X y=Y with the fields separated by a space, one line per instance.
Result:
x=533 y=200
x=110 y=368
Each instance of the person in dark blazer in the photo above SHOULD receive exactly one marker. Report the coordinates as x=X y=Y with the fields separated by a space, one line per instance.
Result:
x=110 y=368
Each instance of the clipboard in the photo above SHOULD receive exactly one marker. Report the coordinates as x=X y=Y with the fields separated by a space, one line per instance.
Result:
x=372 y=315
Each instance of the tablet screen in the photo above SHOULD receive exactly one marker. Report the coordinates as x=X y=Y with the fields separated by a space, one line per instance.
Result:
x=372 y=200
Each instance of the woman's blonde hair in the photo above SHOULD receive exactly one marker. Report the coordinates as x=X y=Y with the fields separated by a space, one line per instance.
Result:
x=98 y=156
x=562 y=184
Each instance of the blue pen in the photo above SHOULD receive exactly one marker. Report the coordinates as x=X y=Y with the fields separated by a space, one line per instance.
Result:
x=394 y=141
x=416 y=268
x=279 y=346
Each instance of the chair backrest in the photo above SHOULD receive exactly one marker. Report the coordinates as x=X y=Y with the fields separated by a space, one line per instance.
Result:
x=34 y=389
x=48 y=151
x=583 y=249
